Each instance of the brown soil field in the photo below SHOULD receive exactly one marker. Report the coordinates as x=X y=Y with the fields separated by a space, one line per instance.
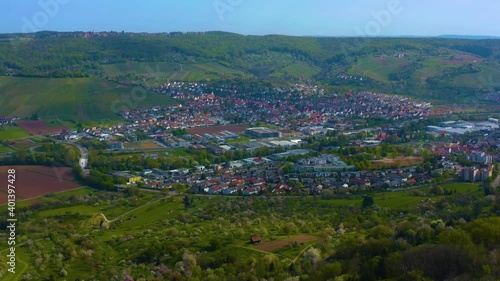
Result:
x=142 y=145
x=39 y=128
x=274 y=245
x=399 y=161
x=237 y=128
x=22 y=144
x=35 y=181
x=463 y=60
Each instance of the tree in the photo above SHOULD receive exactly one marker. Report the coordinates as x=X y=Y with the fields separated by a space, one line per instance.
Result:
x=289 y=228
x=437 y=190
x=368 y=201
x=188 y=202
x=188 y=260
x=313 y=255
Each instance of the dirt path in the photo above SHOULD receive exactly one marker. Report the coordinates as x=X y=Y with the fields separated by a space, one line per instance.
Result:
x=300 y=254
x=135 y=209
x=260 y=251
x=32 y=198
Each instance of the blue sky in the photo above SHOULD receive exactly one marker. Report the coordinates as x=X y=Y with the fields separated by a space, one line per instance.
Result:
x=291 y=17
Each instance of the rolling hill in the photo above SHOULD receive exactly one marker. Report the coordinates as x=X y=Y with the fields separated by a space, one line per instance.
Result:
x=77 y=99
x=438 y=68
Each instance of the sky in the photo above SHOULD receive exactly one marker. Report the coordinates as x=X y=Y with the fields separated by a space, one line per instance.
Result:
x=257 y=17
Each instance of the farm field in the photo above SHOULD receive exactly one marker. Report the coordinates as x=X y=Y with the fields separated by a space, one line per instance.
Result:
x=433 y=67
x=489 y=77
x=272 y=246
x=398 y=161
x=39 y=128
x=11 y=132
x=64 y=99
x=34 y=181
x=377 y=68
x=22 y=144
x=143 y=145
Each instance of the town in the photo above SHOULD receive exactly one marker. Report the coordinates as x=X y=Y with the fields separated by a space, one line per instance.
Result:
x=281 y=155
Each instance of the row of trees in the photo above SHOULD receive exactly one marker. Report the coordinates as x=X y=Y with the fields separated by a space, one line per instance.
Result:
x=49 y=154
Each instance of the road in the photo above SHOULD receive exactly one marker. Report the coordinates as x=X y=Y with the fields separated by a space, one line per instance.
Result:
x=84 y=156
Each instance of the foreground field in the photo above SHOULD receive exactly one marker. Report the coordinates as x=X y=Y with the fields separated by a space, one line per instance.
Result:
x=34 y=181
x=156 y=232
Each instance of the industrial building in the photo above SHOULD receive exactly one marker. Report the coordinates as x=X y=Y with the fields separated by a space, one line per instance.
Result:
x=262 y=133
x=462 y=127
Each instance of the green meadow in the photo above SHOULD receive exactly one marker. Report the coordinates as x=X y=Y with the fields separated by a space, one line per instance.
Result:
x=377 y=68
x=65 y=99
x=11 y=132
x=170 y=70
x=214 y=226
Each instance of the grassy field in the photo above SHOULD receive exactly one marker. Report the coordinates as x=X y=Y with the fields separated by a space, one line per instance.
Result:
x=22 y=264
x=398 y=161
x=56 y=197
x=241 y=139
x=489 y=77
x=5 y=149
x=178 y=152
x=143 y=145
x=172 y=71
x=40 y=140
x=431 y=67
x=11 y=132
x=82 y=99
x=401 y=200
x=377 y=68
x=25 y=144
x=138 y=221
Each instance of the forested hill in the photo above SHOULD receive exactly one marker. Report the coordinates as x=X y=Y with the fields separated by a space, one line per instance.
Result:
x=416 y=66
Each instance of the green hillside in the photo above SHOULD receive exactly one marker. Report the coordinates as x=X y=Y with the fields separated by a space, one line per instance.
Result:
x=378 y=68
x=171 y=71
x=432 y=68
x=82 y=99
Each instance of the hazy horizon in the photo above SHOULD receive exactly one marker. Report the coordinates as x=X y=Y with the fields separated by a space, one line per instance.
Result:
x=376 y=18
